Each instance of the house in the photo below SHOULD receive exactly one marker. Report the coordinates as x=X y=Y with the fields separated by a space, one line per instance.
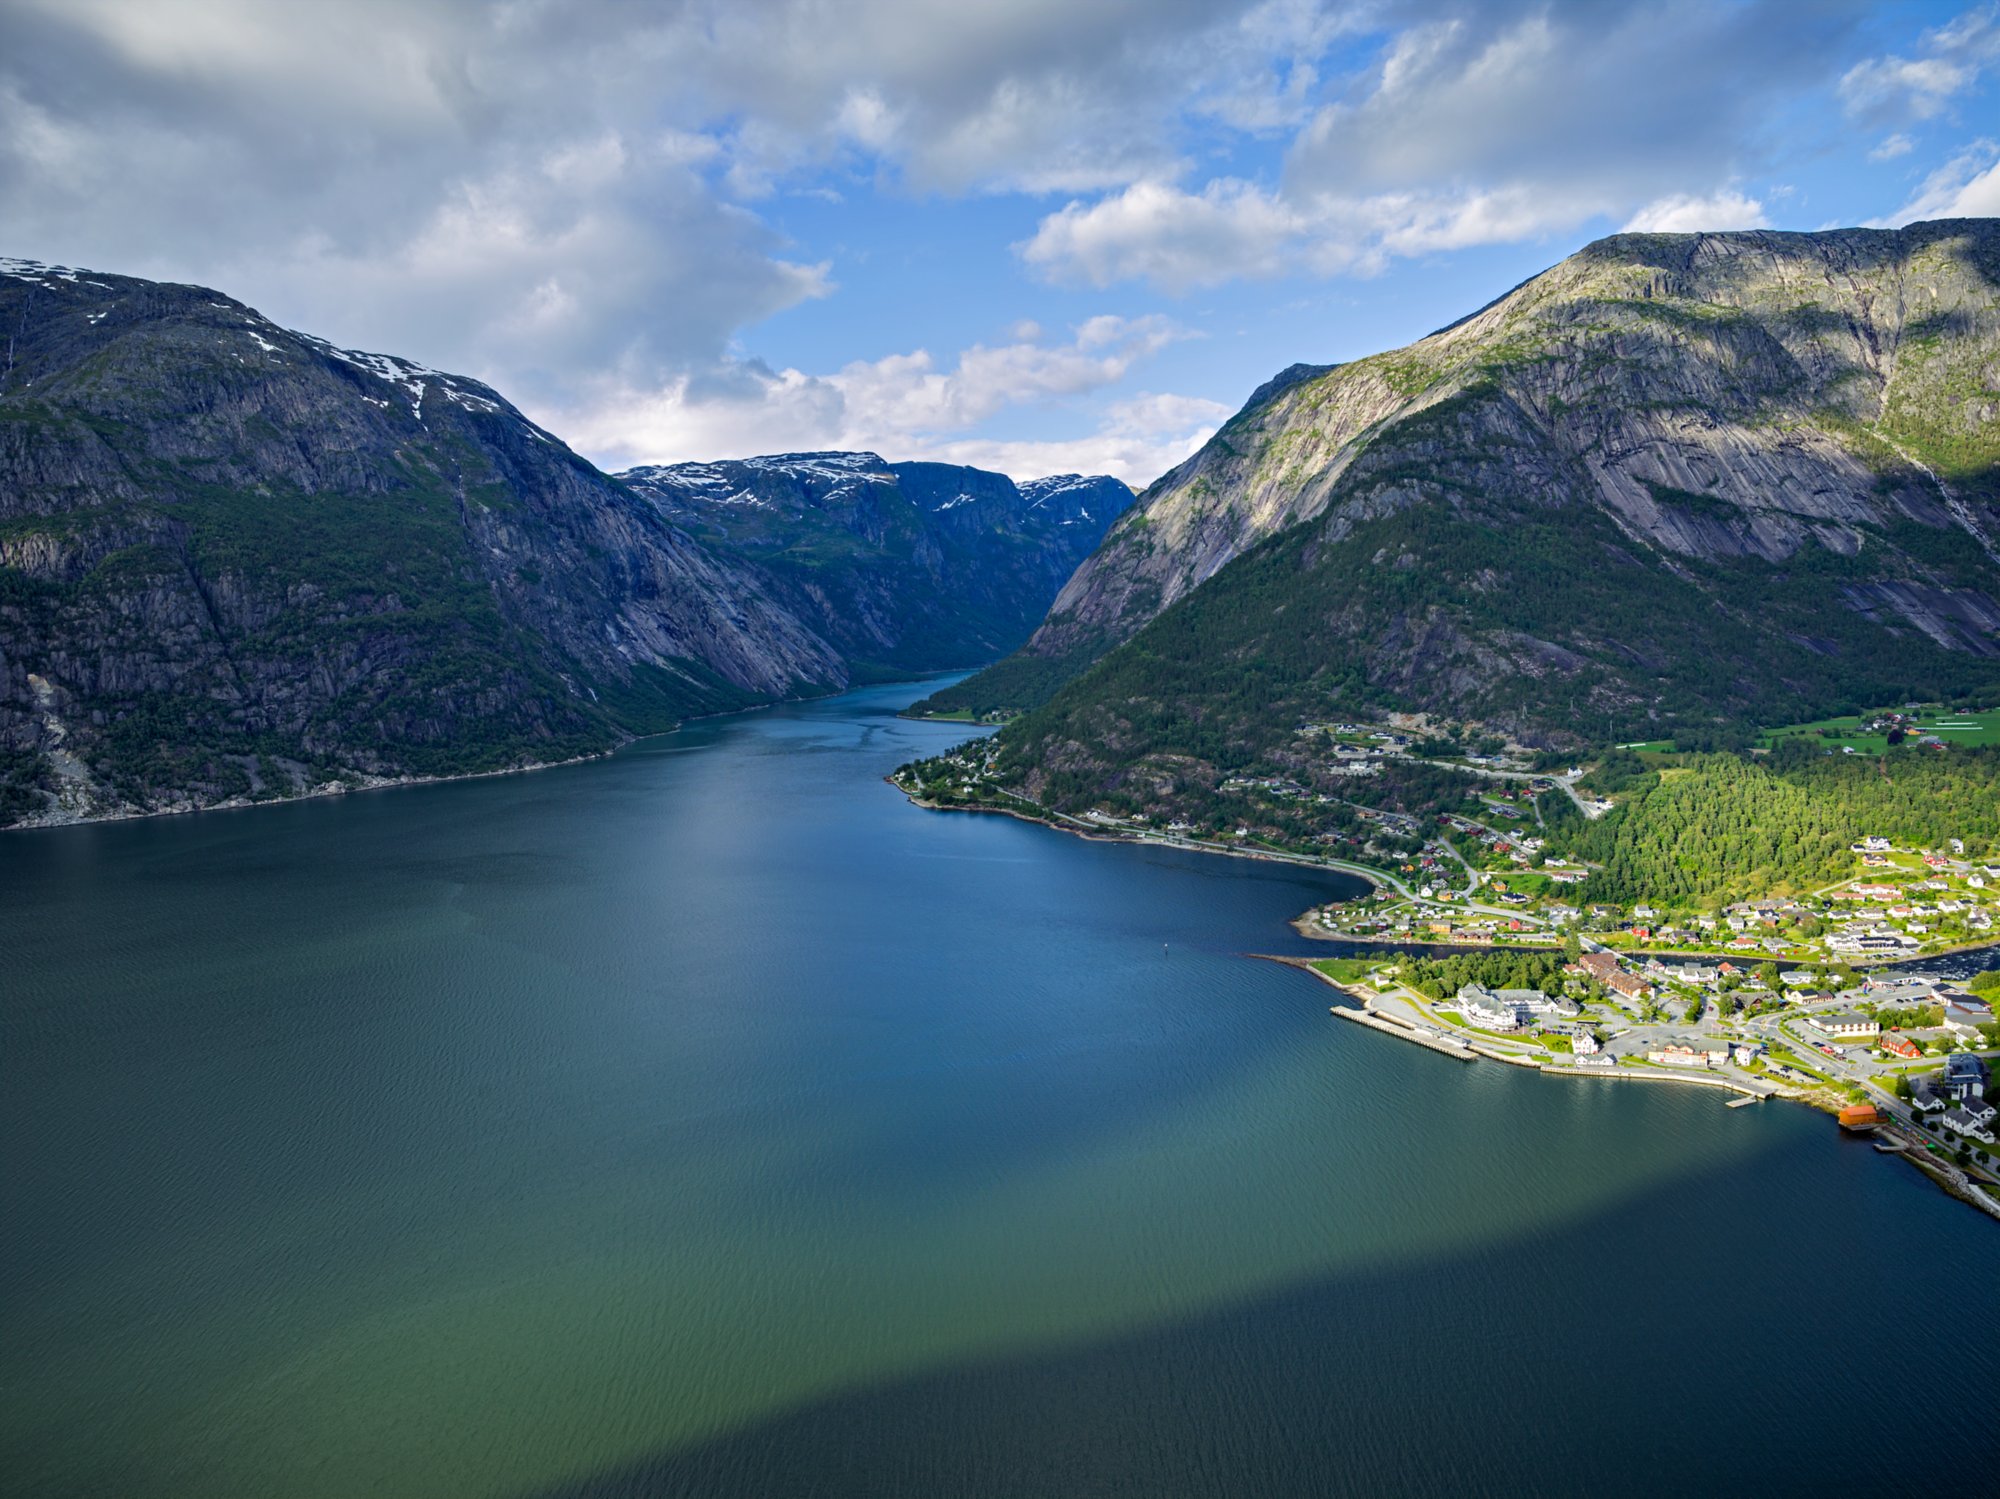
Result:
x=1844 y=1023
x=1871 y=846
x=1599 y=965
x=1596 y=1059
x=1796 y=978
x=1631 y=986
x=1583 y=1042
x=1676 y=1054
x=1924 y=1095
x=1900 y=1046
x=1964 y=1015
x=1973 y=1119
x=1482 y=1007
x=1537 y=1003
x=1964 y=1077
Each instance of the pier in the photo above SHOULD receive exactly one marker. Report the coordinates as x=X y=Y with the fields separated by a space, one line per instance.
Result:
x=1444 y=1045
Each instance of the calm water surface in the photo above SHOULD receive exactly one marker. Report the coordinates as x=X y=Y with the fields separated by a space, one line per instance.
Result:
x=708 y=1121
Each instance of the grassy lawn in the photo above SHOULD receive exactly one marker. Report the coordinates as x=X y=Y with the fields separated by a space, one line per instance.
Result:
x=1345 y=970
x=1521 y=1038
x=1982 y=727
x=1964 y=728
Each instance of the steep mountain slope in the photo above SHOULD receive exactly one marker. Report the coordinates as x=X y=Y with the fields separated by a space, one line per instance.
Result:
x=1674 y=481
x=903 y=566
x=1734 y=400
x=237 y=561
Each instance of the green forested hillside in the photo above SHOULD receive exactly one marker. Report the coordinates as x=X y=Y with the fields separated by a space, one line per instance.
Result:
x=1724 y=827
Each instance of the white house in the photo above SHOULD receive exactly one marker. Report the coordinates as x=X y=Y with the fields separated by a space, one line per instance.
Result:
x=1844 y=1023
x=1674 y=1054
x=1973 y=1118
x=1482 y=1007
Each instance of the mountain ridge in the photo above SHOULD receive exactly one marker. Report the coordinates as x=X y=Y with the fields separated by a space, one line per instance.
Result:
x=903 y=566
x=239 y=562
x=1775 y=453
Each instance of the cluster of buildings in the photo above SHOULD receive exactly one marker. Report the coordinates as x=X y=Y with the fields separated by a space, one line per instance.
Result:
x=1957 y=1096
x=1704 y=1051
x=1513 y=1009
x=1608 y=971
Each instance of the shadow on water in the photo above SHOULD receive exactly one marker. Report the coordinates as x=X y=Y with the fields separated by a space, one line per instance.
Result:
x=1608 y=1357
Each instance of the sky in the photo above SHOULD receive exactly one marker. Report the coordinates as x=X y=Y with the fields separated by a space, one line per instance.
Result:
x=1039 y=236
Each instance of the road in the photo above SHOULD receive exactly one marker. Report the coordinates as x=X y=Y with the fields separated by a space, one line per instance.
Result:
x=1568 y=790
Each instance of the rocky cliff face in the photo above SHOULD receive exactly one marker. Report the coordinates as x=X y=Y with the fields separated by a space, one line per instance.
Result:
x=1677 y=480
x=238 y=562
x=1713 y=398
x=903 y=566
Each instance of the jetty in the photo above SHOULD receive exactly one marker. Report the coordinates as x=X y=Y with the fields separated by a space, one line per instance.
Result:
x=1443 y=1045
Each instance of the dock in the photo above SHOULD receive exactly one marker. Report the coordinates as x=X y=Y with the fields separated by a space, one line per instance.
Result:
x=1443 y=1045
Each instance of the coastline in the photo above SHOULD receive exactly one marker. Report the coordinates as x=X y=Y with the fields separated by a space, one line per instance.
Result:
x=1079 y=829
x=321 y=792
x=1946 y=1177
x=1393 y=1026
x=391 y=783
x=1382 y=880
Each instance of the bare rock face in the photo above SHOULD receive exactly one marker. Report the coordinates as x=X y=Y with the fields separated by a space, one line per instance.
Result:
x=237 y=562
x=1781 y=402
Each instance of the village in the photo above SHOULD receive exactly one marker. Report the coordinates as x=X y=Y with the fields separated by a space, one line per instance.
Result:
x=1906 y=1058
x=1785 y=995
x=1901 y=903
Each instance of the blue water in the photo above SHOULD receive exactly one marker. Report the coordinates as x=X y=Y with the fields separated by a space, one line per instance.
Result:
x=709 y=1121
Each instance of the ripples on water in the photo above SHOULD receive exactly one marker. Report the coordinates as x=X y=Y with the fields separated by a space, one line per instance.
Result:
x=710 y=1121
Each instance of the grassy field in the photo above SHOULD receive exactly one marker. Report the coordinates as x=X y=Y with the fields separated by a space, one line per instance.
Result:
x=1345 y=970
x=1982 y=727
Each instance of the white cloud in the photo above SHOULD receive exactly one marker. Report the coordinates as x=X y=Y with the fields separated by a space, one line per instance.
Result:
x=905 y=406
x=1882 y=89
x=1891 y=147
x=578 y=200
x=1966 y=187
x=1157 y=232
x=1496 y=124
x=1136 y=440
x=1684 y=213
x=1616 y=103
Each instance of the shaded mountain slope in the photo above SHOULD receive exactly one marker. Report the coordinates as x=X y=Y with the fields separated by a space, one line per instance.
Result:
x=238 y=562
x=903 y=566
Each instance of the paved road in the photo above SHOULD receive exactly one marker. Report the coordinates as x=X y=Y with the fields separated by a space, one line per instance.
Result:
x=1562 y=784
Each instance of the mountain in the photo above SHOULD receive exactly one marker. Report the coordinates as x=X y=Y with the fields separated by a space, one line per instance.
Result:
x=902 y=566
x=1673 y=484
x=237 y=562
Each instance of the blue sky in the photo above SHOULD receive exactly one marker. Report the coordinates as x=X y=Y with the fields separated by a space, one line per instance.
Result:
x=1035 y=235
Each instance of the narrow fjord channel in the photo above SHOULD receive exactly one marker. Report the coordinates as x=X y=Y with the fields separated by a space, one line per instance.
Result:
x=710 y=1121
